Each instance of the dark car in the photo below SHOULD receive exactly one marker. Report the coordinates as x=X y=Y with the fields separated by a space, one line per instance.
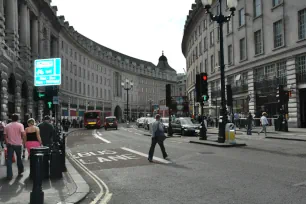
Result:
x=165 y=122
x=110 y=122
x=184 y=126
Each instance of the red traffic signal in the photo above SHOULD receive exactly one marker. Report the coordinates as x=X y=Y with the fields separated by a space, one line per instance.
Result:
x=205 y=77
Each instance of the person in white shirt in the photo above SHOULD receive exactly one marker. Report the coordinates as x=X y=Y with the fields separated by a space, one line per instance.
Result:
x=264 y=122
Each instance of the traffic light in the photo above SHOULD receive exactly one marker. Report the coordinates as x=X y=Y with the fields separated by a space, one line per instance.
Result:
x=198 y=88
x=38 y=95
x=229 y=93
x=287 y=96
x=168 y=95
x=204 y=86
x=281 y=94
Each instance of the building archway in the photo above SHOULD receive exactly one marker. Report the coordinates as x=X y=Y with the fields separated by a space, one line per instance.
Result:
x=11 y=95
x=118 y=113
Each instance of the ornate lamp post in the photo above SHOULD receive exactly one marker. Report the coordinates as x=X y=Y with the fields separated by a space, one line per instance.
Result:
x=127 y=85
x=221 y=19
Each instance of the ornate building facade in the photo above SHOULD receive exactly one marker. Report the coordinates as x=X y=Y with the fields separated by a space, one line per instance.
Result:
x=264 y=47
x=91 y=73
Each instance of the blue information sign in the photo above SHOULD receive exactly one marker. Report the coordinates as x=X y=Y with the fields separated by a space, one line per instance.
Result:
x=47 y=72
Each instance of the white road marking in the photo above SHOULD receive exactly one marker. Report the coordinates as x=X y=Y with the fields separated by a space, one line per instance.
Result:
x=94 y=133
x=99 y=182
x=137 y=133
x=145 y=155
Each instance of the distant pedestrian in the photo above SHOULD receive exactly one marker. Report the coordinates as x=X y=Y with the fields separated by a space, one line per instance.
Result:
x=14 y=134
x=2 y=125
x=47 y=131
x=249 y=124
x=158 y=136
x=32 y=136
x=264 y=122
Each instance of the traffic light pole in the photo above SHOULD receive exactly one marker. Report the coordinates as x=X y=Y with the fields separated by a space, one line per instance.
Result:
x=169 y=126
x=203 y=129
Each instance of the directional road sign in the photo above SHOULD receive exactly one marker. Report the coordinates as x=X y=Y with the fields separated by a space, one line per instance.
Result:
x=47 y=72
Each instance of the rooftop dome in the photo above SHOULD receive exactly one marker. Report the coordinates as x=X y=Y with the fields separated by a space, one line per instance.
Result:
x=163 y=63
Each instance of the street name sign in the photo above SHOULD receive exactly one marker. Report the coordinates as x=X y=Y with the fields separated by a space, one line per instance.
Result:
x=47 y=72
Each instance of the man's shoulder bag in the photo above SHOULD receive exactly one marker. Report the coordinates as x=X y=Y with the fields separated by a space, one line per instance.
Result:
x=160 y=134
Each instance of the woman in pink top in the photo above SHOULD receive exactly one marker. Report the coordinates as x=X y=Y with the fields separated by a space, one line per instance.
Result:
x=32 y=137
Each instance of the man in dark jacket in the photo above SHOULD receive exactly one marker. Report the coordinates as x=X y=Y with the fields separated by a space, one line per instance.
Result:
x=47 y=131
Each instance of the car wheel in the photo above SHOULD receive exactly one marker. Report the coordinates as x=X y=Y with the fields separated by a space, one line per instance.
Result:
x=116 y=128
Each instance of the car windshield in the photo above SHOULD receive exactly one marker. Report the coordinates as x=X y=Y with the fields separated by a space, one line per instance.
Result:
x=165 y=120
x=110 y=120
x=186 y=121
x=91 y=115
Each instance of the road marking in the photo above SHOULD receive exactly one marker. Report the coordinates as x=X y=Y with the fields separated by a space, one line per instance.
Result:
x=107 y=194
x=145 y=155
x=94 y=133
x=137 y=133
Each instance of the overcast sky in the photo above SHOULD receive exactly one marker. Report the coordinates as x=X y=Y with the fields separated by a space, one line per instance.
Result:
x=138 y=28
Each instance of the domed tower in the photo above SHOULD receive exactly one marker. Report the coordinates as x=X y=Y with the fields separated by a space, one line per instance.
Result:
x=163 y=63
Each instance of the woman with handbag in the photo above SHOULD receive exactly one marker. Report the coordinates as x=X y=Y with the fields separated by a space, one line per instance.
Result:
x=158 y=136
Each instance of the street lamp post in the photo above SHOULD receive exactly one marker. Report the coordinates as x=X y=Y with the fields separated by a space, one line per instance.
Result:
x=127 y=85
x=221 y=19
x=150 y=109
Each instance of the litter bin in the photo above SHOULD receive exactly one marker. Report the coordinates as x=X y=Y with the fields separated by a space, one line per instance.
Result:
x=230 y=133
x=40 y=150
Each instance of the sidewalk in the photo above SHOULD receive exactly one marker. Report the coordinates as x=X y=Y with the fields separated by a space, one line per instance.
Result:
x=70 y=189
x=298 y=134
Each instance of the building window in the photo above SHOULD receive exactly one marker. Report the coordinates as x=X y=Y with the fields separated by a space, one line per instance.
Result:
x=66 y=83
x=229 y=26
x=80 y=87
x=301 y=64
x=205 y=24
x=242 y=49
x=218 y=34
x=205 y=65
x=302 y=24
x=257 y=8
x=230 y=54
x=71 y=84
x=212 y=66
x=278 y=33
x=276 y=2
x=205 y=43
x=84 y=89
x=211 y=38
x=258 y=44
x=88 y=90
x=241 y=17
x=200 y=48
x=75 y=86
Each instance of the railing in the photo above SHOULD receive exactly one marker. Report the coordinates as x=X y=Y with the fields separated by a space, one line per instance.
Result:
x=301 y=77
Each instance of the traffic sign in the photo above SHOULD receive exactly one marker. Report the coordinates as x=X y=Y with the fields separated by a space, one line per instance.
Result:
x=55 y=100
x=47 y=72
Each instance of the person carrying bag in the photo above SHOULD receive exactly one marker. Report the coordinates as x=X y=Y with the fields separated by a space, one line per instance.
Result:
x=158 y=136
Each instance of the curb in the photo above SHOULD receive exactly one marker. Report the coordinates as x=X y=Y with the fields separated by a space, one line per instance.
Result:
x=216 y=144
x=82 y=188
x=286 y=138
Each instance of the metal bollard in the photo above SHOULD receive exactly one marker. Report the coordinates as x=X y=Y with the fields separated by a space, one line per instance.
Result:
x=45 y=169
x=63 y=145
x=203 y=131
x=37 y=195
x=55 y=162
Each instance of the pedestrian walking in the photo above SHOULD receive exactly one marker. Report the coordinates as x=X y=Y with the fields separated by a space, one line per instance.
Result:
x=14 y=134
x=264 y=122
x=158 y=136
x=2 y=125
x=249 y=124
x=32 y=137
x=47 y=131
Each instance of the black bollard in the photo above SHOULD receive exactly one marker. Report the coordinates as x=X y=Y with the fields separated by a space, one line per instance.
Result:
x=37 y=195
x=63 y=145
x=55 y=162
x=203 y=131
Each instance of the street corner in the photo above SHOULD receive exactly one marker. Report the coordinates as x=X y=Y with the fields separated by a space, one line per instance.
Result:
x=217 y=144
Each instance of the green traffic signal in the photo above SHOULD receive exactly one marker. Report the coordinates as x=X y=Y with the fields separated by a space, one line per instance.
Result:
x=41 y=95
x=205 y=97
x=49 y=104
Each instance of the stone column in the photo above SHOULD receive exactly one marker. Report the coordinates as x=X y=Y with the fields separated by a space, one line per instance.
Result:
x=11 y=24
x=4 y=94
x=293 y=120
x=30 y=101
x=95 y=105
x=251 y=90
x=86 y=105
x=2 y=22
x=34 y=37
x=24 y=32
x=18 y=97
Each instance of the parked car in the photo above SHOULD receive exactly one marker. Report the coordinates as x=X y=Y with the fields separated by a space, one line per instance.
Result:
x=165 y=122
x=184 y=126
x=110 y=122
x=140 y=122
x=147 y=123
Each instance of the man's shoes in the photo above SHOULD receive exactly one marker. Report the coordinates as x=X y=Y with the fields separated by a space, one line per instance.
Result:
x=166 y=158
x=9 y=178
x=150 y=160
x=20 y=172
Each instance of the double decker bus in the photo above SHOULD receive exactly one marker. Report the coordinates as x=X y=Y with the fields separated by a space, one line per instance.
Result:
x=93 y=119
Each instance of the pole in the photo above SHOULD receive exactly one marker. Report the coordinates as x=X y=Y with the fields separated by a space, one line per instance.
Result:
x=127 y=104
x=221 y=137
x=170 y=126
x=203 y=135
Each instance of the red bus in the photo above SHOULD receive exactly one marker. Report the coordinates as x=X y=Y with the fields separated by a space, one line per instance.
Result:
x=93 y=118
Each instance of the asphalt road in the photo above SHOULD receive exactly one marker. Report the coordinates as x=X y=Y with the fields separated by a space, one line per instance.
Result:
x=264 y=172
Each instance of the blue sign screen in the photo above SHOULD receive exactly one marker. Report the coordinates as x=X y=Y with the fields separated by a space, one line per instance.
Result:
x=47 y=72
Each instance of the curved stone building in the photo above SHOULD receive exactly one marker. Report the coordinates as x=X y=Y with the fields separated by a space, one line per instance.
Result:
x=91 y=73
x=264 y=47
